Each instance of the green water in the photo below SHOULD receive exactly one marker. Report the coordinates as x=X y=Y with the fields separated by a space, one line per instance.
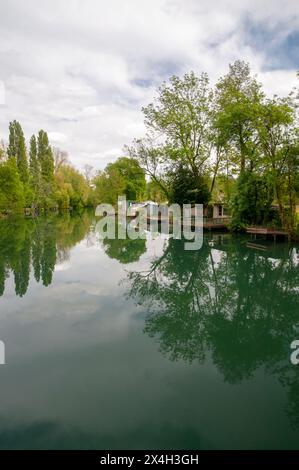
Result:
x=141 y=344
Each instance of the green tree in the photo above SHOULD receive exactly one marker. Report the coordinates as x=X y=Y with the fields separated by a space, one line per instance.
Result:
x=279 y=142
x=154 y=192
x=122 y=177
x=108 y=186
x=72 y=188
x=151 y=158
x=2 y=150
x=252 y=200
x=35 y=173
x=185 y=188
x=17 y=149
x=11 y=187
x=45 y=157
x=238 y=97
x=133 y=176
x=179 y=129
x=46 y=164
x=33 y=160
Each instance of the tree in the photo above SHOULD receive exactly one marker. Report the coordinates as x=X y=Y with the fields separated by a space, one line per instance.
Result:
x=252 y=200
x=39 y=186
x=11 y=187
x=181 y=114
x=33 y=161
x=151 y=159
x=46 y=163
x=122 y=177
x=238 y=97
x=132 y=175
x=154 y=192
x=185 y=188
x=88 y=171
x=35 y=171
x=108 y=186
x=60 y=158
x=45 y=157
x=279 y=142
x=2 y=150
x=17 y=149
x=179 y=129
x=71 y=187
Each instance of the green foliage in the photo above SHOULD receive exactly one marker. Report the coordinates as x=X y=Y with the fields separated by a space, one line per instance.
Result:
x=179 y=129
x=251 y=202
x=279 y=141
x=11 y=187
x=45 y=157
x=123 y=177
x=230 y=130
x=228 y=143
x=154 y=192
x=238 y=97
x=41 y=187
x=186 y=188
x=72 y=188
x=17 y=149
x=33 y=160
x=39 y=242
x=2 y=150
x=132 y=175
x=125 y=251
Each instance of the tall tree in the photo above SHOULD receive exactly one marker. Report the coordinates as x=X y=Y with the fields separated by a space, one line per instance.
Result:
x=238 y=96
x=33 y=161
x=45 y=157
x=17 y=149
x=179 y=125
x=2 y=150
x=279 y=142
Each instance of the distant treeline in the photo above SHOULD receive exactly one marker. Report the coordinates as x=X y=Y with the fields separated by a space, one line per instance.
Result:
x=39 y=177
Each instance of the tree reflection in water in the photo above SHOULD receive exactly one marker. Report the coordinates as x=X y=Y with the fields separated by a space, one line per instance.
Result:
x=227 y=301
x=41 y=242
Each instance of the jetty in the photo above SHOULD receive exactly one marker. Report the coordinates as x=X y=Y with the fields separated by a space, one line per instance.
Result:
x=208 y=223
x=267 y=231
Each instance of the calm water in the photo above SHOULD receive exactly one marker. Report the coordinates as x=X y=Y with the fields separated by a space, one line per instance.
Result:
x=140 y=344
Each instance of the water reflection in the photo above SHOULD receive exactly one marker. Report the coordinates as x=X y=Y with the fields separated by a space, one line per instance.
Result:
x=228 y=302
x=231 y=308
x=41 y=242
x=125 y=251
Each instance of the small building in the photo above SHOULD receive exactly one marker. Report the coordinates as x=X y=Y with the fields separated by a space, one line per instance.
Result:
x=220 y=211
x=216 y=211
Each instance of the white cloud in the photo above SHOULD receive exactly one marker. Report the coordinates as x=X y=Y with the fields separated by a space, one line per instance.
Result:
x=57 y=137
x=82 y=70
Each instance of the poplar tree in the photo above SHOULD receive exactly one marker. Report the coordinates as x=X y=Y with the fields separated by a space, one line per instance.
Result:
x=33 y=161
x=17 y=149
x=45 y=157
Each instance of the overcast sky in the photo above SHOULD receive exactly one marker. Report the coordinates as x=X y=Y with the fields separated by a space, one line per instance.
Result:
x=82 y=69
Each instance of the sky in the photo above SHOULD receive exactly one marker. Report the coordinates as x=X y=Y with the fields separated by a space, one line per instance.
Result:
x=82 y=70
